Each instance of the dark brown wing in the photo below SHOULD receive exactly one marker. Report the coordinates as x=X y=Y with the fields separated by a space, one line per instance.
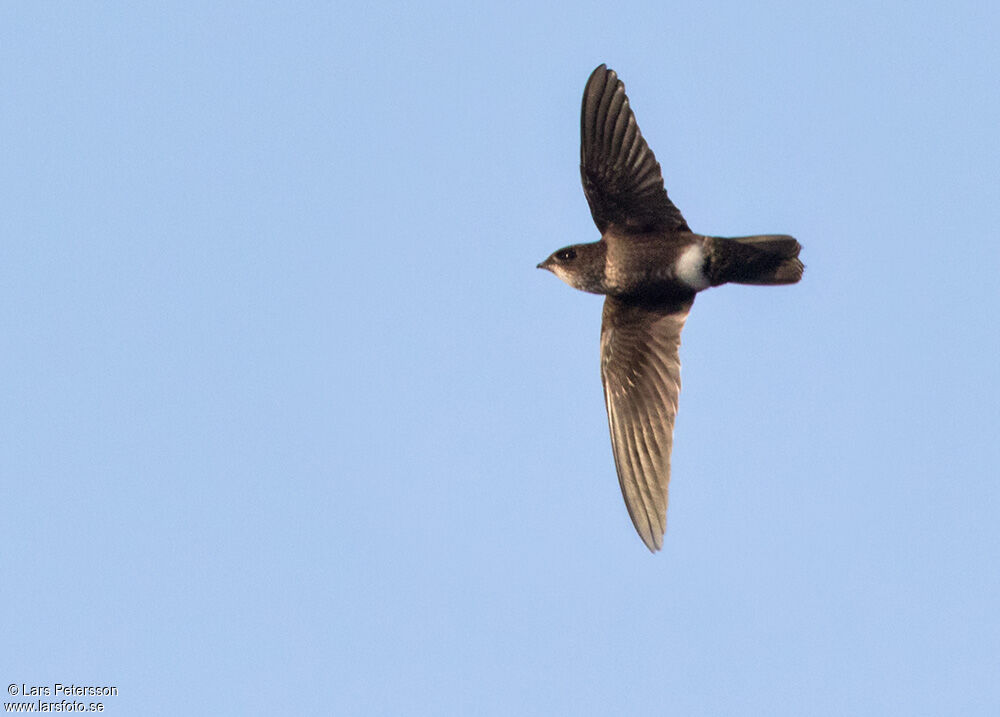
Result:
x=641 y=371
x=621 y=177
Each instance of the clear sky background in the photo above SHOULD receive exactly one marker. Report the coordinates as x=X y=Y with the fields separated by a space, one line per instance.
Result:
x=291 y=424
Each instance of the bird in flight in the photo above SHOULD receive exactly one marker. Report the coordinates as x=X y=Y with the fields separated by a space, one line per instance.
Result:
x=649 y=265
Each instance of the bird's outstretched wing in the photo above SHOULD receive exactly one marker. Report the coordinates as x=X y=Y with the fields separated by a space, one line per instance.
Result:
x=621 y=177
x=641 y=371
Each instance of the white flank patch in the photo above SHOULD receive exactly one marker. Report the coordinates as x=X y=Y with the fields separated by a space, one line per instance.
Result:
x=688 y=268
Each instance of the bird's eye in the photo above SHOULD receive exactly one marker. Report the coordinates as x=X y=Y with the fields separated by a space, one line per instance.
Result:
x=566 y=255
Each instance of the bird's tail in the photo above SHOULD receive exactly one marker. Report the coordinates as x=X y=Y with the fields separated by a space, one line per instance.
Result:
x=763 y=259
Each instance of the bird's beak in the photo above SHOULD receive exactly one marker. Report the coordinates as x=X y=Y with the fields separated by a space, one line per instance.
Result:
x=545 y=264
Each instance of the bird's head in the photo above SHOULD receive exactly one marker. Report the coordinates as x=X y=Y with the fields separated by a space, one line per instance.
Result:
x=581 y=266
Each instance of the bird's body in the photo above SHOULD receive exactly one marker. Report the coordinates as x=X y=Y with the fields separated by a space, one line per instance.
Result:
x=636 y=264
x=650 y=265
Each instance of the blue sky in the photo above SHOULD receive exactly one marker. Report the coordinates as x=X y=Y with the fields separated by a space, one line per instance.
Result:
x=291 y=423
